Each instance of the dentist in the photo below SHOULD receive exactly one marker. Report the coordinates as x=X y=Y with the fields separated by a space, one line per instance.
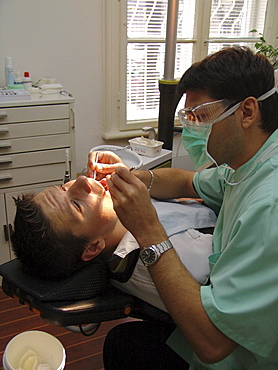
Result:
x=230 y=122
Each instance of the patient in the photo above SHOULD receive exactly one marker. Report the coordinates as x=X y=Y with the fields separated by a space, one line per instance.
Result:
x=62 y=229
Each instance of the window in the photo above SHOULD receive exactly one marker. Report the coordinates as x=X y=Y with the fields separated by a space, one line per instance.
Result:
x=135 y=32
x=146 y=33
x=234 y=19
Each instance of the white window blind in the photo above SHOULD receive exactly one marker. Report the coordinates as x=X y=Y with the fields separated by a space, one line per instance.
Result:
x=146 y=33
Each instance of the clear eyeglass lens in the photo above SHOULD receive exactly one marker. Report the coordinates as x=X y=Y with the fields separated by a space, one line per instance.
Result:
x=202 y=114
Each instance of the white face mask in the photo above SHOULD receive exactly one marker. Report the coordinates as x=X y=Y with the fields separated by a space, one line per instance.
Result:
x=195 y=138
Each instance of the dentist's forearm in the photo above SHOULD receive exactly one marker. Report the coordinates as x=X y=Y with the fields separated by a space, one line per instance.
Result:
x=181 y=295
x=168 y=183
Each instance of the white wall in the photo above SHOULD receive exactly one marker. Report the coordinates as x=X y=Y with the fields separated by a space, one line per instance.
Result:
x=61 y=39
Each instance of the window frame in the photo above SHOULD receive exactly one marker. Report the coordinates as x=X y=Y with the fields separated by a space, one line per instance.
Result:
x=115 y=54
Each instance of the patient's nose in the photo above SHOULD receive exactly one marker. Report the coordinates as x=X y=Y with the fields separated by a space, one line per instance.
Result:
x=81 y=184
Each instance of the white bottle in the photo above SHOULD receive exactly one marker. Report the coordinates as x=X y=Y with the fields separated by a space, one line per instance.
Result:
x=9 y=71
x=26 y=80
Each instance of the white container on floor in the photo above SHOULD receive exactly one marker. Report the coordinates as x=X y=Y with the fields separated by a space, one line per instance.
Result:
x=48 y=348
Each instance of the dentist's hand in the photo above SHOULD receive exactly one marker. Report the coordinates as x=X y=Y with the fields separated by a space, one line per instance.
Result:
x=106 y=164
x=133 y=206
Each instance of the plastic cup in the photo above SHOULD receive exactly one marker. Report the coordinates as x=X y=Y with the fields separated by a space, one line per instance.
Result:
x=48 y=348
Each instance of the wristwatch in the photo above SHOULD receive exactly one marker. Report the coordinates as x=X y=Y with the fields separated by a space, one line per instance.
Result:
x=150 y=255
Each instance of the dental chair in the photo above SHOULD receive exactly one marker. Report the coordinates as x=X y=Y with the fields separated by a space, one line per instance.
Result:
x=79 y=303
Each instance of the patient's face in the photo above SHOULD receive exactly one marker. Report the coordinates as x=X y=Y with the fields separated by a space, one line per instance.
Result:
x=81 y=206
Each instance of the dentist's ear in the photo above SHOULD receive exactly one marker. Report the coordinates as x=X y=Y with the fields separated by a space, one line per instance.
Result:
x=250 y=112
x=92 y=250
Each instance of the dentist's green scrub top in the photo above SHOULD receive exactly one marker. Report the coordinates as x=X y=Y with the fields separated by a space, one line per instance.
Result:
x=242 y=300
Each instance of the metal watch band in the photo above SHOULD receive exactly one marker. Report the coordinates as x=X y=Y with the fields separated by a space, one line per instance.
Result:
x=164 y=246
x=150 y=255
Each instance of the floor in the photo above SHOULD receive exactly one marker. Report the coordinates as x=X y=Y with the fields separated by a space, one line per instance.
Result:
x=82 y=352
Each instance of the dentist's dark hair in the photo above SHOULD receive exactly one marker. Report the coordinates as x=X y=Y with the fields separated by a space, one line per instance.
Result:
x=44 y=253
x=235 y=73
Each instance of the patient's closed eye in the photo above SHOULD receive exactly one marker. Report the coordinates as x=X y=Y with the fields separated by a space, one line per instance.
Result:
x=74 y=202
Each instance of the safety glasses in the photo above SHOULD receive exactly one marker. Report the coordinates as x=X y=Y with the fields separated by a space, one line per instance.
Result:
x=207 y=113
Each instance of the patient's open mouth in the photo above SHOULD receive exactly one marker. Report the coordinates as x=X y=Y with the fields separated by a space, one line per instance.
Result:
x=103 y=182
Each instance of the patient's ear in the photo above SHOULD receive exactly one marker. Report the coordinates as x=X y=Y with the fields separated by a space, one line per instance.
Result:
x=92 y=250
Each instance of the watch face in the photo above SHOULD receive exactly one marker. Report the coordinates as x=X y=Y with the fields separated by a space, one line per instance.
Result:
x=148 y=256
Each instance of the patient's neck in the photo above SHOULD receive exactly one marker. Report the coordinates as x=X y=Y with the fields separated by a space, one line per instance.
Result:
x=112 y=240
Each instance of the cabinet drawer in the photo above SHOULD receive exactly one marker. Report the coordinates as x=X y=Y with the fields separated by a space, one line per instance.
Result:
x=32 y=175
x=32 y=159
x=34 y=113
x=40 y=128
x=29 y=144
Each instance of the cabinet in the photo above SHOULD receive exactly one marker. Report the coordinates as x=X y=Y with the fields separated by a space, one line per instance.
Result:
x=37 y=145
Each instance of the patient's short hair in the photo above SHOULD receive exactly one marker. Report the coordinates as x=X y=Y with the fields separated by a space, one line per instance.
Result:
x=44 y=252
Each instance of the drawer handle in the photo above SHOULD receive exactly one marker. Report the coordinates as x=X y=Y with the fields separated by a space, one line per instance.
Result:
x=5 y=144
x=3 y=114
x=6 y=177
x=4 y=160
x=4 y=130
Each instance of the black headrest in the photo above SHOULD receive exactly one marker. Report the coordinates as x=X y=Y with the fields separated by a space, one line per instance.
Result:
x=84 y=284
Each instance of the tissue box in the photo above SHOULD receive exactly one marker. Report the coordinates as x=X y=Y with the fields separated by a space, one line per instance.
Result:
x=147 y=147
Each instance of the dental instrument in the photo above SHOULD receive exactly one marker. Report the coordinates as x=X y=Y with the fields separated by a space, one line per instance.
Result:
x=67 y=171
x=96 y=161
